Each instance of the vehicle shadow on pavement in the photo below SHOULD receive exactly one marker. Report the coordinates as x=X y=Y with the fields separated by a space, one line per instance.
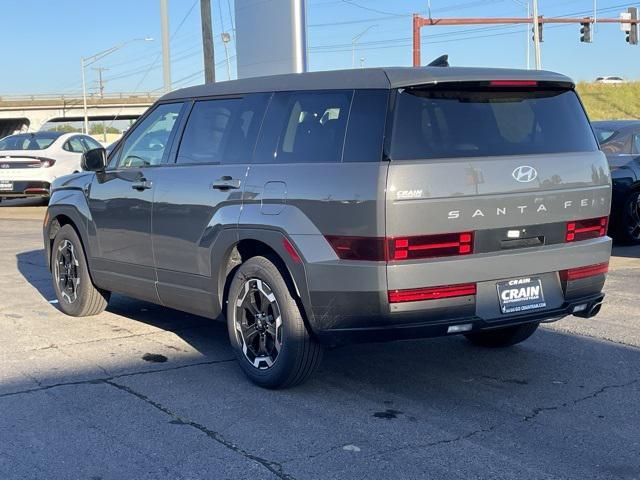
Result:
x=33 y=268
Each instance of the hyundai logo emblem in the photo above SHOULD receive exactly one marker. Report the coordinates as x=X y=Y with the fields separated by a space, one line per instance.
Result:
x=525 y=174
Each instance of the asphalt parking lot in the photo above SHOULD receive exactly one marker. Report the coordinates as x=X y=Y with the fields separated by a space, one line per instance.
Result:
x=146 y=392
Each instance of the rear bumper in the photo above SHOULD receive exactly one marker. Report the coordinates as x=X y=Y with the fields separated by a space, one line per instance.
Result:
x=349 y=300
x=27 y=188
x=408 y=326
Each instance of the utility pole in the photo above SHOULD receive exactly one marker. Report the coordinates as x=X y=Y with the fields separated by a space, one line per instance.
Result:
x=101 y=93
x=207 y=42
x=536 y=35
x=100 y=80
x=166 y=54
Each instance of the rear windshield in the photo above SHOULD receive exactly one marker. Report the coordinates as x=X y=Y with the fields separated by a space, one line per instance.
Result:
x=440 y=123
x=28 y=141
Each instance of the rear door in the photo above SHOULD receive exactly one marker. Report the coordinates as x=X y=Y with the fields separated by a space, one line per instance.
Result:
x=486 y=170
x=120 y=201
x=198 y=198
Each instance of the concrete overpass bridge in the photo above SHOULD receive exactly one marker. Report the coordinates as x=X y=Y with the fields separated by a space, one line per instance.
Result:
x=28 y=113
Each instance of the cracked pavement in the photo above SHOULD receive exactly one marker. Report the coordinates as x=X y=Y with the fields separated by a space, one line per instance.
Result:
x=77 y=399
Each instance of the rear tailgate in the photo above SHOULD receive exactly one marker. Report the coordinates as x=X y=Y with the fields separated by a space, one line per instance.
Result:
x=503 y=171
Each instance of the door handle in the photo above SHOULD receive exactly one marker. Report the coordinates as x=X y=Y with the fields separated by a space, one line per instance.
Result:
x=226 y=183
x=141 y=185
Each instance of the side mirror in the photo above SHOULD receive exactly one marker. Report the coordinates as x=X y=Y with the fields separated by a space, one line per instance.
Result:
x=94 y=160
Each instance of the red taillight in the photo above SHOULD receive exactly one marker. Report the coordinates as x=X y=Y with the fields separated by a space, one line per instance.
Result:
x=402 y=248
x=431 y=293
x=586 y=229
x=584 y=272
x=357 y=248
x=513 y=83
x=430 y=246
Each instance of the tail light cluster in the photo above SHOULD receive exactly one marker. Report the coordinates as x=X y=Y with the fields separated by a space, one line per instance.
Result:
x=47 y=162
x=586 y=229
x=430 y=246
x=402 y=248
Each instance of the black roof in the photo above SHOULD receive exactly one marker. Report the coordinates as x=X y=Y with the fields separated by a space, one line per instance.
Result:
x=366 y=78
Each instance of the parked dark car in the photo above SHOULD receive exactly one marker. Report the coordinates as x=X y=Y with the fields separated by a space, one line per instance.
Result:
x=620 y=142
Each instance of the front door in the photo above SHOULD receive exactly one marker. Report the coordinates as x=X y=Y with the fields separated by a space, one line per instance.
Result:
x=121 y=200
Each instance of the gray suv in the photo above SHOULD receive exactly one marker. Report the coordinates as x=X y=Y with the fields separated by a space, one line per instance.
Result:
x=317 y=209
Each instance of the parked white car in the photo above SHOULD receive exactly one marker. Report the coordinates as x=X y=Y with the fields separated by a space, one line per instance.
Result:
x=611 y=80
x=29 y=162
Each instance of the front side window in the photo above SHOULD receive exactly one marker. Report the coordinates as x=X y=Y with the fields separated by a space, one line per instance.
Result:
x=147 y=145
x=222 y=131
x=309 y=127
x=443 y=123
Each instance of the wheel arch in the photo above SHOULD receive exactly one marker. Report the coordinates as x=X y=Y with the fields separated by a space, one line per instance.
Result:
x=270 y=244
x=59 y=216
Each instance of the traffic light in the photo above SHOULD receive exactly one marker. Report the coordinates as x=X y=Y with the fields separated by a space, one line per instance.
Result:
x=585 y=32
x=533 y=30
x=632 y=34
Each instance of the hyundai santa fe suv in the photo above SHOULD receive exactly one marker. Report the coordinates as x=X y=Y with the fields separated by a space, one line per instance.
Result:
x=316 y=209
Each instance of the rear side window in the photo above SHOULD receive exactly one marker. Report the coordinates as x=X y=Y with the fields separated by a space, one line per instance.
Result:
x=305 y=127
x=74 y=145
x=223 y=130
x=367 y=121
x=442 y=123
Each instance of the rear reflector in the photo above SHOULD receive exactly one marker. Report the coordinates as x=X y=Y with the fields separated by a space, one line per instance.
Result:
x=291 y=250
x=432 y=293
x=513 y=83
x=430 y=246
x=584 y=272
x=586 y=229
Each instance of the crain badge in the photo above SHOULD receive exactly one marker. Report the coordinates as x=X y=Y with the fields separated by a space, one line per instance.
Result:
x=404 y=194
x=525 y=174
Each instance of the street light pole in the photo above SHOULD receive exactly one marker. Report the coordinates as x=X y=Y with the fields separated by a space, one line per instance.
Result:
x=85 y=125
x=166 y=55
x=354 y=40
x=86 y=61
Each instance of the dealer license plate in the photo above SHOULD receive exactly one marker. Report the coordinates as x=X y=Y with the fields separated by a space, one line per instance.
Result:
x=521 y=295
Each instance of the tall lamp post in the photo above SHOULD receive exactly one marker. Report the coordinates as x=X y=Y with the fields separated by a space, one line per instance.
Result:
x=86 y=61
x=354 y=40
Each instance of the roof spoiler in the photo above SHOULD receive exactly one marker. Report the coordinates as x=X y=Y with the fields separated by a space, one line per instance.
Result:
x=441 y=61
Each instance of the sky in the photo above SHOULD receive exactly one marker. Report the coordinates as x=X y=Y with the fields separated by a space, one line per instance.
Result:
x=43 y=40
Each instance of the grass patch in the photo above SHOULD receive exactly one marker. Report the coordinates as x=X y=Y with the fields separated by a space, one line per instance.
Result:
x=611 y=102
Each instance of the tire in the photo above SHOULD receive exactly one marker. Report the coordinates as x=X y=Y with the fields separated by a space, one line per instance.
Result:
x=628 y=229
x=266 y=328
x=85 y=298
x=503 y=337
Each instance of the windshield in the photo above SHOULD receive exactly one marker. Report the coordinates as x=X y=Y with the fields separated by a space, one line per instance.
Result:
x=604 y=134
x=443 y=123
x=28 y=141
